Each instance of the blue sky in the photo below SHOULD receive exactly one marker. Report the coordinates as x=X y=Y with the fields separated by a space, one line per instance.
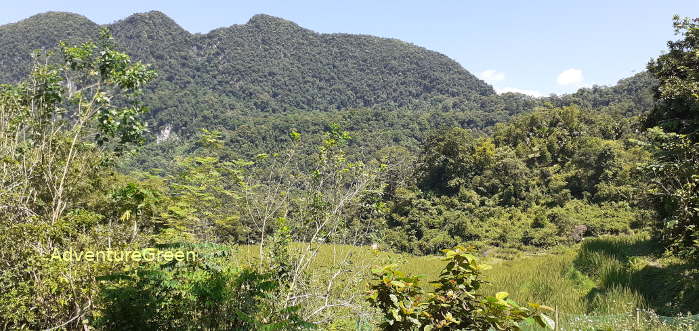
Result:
x=537 y=46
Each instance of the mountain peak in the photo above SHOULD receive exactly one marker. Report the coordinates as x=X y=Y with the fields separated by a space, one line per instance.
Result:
x=154 y=18
x=53 y=17
x=57 y=14
x=259 y=18
x=153 y=15
x=264 y=20
x=269 y=63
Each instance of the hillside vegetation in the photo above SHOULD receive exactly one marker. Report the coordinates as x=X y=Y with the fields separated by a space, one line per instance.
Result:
x=257 y=81
x=260 y=217
x=268 y=64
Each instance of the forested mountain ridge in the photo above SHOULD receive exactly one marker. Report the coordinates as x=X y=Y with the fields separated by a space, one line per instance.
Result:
x=43 y=31
x=267 y=64
x=257 y=81
x=629 y=97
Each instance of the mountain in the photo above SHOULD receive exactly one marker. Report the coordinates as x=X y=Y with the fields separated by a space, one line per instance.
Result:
x=630 y=96
x=43 y=31
x=258 y=80
x=268 y=64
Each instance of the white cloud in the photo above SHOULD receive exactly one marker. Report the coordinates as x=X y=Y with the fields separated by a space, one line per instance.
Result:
x=533 y=93
x=492 y=76
x=570 y=77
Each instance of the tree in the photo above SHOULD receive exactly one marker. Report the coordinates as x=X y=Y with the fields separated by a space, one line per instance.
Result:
x=451 y=158
x=675 y=169
x=455 y=303
x=287 y=205
x=674 y=174
x=677 y=95
x=58 y=132
x=83 y=96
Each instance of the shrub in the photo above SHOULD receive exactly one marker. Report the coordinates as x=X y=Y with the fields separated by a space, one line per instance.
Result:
x=204 y=293
x=454 y=305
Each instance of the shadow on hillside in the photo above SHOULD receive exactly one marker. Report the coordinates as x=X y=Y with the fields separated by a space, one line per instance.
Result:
x=614 y=263
x=669 y=289
x=623 y=248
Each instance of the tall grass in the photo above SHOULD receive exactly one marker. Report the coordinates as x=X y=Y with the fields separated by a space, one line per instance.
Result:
x=596 y=285
x=590 y=279
x=359 y=256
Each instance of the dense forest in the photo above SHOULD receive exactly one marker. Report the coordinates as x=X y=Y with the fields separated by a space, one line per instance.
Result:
x=257 y=81
x=268 y=64
x=291 y=163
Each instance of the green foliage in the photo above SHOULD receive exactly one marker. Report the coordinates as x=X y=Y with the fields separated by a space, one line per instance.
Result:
x=256 y=82
x=208 y=292
x=630 y=97
x=452 y=158
x=204 y=189
x=454 y=304
x=550 y=177
x=59 y=130
x=678 y=75
x=675 y=178
x=675 y=169
x=368 y=169
x=280 y=259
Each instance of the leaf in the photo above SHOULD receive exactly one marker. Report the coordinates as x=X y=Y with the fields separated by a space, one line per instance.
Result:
x=398 y=283
x=394 y=299
x=538 y=306
x=125 y=216
x=373 y=295
x=545 y=321
x=396 y=316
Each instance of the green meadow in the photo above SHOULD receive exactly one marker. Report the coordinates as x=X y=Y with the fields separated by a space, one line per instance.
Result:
x=602 y=283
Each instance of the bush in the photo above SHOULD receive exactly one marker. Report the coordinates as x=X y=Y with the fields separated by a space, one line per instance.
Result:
x=206 y=293
x=455 y=303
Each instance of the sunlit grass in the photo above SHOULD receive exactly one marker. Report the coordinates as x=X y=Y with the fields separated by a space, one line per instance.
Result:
x=595 y=285
x=589 y=279
x=329 y=255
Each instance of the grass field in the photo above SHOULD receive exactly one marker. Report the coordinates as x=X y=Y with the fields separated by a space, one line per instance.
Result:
x=598 y=284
